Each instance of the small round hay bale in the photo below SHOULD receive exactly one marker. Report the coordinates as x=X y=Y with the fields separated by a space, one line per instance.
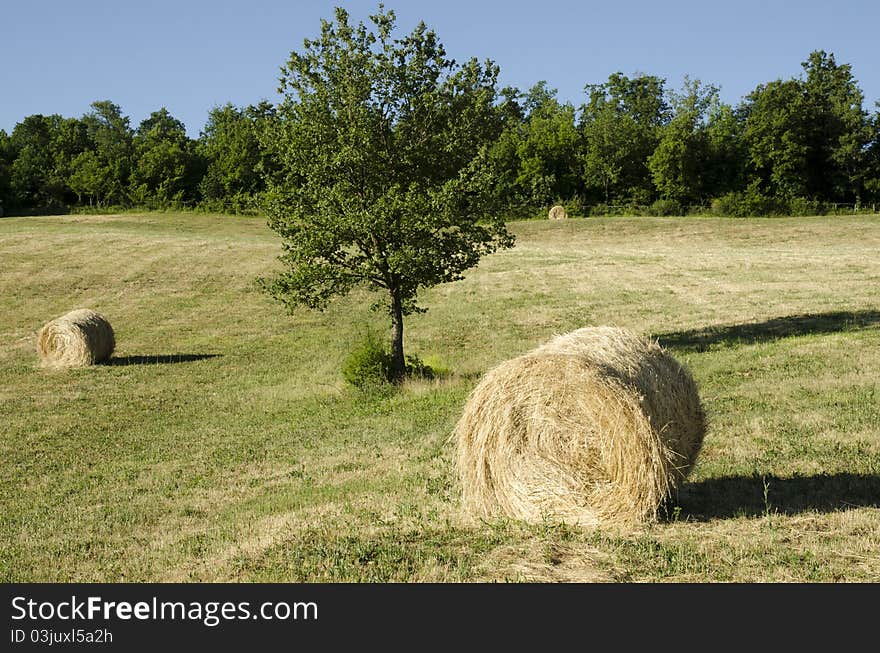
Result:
x=558 y=212
x=76 y=339
x=596 y=426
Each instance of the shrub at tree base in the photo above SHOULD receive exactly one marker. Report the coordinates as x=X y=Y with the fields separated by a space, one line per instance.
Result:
x=76 y=339
x=369 y=365
x=596 y=426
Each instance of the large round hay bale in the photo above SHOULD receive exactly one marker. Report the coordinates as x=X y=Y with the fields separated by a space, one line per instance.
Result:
x=81 y=337
x=596 y=426
x=558 y=212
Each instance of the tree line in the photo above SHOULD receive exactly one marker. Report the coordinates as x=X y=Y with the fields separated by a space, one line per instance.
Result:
x=794 y=146
x=51 y=163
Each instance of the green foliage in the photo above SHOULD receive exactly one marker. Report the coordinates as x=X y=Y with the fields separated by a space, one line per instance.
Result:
x=39 y=154
x=434 y=366
x=6 y=159
x=606 y=154
x=676 y=164
x=536 y=158
x=776 y=137
x=369 y=364
x=112 y=141
x=666 y=207
x=387 y=136
x=31 y=177
x=384 y=178
x=809 y=137
x=872 y=161
x=748 y=203
x=754 y=203
x=724 y=170
x=679 y=163
x=237 y=165
x=804 y=206
x=621 y=125
x=88 y=177
x=838 y=129
x=166 y=168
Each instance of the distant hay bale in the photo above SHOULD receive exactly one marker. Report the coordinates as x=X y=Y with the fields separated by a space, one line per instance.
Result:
x=81 y=337
x=557 y=213
x=596 y=426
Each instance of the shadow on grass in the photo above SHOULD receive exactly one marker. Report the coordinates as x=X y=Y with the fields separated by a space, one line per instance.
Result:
x=735 y=496
x=779 y=327
x=159 y=359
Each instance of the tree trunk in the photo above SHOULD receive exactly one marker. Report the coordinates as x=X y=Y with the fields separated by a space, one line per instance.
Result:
x=398 y=362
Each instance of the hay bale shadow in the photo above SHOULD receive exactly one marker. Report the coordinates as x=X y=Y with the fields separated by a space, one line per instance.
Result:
x=159 y=359
x=698 y=340
x=744 y=496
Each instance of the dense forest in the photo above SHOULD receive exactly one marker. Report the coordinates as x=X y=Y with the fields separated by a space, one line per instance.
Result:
x=804 y=145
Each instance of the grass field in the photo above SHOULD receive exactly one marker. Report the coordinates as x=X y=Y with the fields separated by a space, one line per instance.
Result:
x=222 y=443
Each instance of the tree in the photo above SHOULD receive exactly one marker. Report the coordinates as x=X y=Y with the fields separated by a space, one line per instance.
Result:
x=68 y=140
x=838 y=129
x=809 y=137
x=43 y=149
x=32 y=163
x=676 y=164
x=6 y=159
x=383 y=177
x=537 y=155
x=621 y=124
x=111 y=136
x=166 y=168
x=872 y=160
x=89 y=178
x=237 y=165
x=725 y=168
x=605 y=155
x=679 y=164
x=776 y=137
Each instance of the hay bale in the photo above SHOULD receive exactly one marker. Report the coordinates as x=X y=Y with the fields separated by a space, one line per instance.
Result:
x=81 y=337
x=596 y=426
x=558 y=212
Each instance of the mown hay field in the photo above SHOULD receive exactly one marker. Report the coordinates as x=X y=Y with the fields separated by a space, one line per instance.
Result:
x=222 y=443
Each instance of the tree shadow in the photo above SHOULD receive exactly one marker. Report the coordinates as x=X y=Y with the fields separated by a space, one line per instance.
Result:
x=159 y=359
x=698 y=340
x=744 y=496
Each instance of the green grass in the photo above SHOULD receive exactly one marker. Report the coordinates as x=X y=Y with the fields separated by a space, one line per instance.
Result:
x=223 y=443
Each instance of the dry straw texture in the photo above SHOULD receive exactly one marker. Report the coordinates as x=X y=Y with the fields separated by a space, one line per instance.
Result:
x=81 y=337
x=557 y=213
x=596 y=426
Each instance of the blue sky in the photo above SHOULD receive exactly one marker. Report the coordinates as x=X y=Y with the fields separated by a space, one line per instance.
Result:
x=57 y=56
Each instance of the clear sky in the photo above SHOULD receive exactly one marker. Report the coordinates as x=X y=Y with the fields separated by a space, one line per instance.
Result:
x=58 y=56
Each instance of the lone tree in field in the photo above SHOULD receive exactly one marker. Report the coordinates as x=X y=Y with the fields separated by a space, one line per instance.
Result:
x=384 y=178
